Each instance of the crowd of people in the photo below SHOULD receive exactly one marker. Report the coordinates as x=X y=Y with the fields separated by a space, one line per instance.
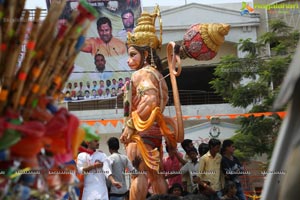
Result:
x=210 y=171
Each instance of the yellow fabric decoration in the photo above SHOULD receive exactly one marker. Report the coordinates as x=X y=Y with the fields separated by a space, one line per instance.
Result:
x=151 y=158
x=157 y=116
x=141 y=125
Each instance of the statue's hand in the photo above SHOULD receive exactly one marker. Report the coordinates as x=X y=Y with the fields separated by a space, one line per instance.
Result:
x=125 y=137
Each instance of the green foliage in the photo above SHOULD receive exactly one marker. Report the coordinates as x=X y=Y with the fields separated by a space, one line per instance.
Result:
x=248 y=46
x=279 y=27
x=231 y=72
x=295 y=35
x=282 y=38
x=275 y=69
x=257 y=136
x=268 y=37
x=254 y=82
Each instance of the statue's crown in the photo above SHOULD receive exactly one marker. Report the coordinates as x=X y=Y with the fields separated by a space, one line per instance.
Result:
x=145 y=34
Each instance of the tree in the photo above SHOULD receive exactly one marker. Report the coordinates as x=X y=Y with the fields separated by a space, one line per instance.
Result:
x=253 y=82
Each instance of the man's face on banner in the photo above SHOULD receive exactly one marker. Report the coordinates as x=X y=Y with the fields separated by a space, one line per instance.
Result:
x=100 y=62
x=128 y=20
x=105 y=33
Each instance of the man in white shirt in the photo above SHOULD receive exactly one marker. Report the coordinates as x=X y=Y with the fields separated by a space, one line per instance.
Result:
x=191 y=168
x=95 y=168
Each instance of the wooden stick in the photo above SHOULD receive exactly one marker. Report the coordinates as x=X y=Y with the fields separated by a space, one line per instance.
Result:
x=11 y=20
x=17 y=99
x=11 y=62
x=50 y=23
x=7 y=34
x=173 y=62
x=44 y=47
x=49 y=57
x=62 y=51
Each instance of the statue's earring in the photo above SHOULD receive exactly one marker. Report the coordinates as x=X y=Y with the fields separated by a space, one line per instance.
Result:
x=145 y=60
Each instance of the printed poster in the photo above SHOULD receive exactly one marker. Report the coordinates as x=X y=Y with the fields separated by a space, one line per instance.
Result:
x=101 y=69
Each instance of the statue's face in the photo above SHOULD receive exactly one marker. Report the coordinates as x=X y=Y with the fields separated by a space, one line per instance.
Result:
x=134 y=59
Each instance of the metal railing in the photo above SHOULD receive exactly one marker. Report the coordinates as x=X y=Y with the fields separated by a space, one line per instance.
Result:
x=187 y=97
x=195 y=97
x=43 y=15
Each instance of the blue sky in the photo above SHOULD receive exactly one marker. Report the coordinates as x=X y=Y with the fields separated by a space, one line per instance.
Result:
x=31 y=4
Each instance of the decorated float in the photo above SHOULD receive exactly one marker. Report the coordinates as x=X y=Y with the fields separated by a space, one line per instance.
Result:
x=38 y=140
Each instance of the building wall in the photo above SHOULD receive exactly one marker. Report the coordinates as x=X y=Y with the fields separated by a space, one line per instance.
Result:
x=190 y=110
